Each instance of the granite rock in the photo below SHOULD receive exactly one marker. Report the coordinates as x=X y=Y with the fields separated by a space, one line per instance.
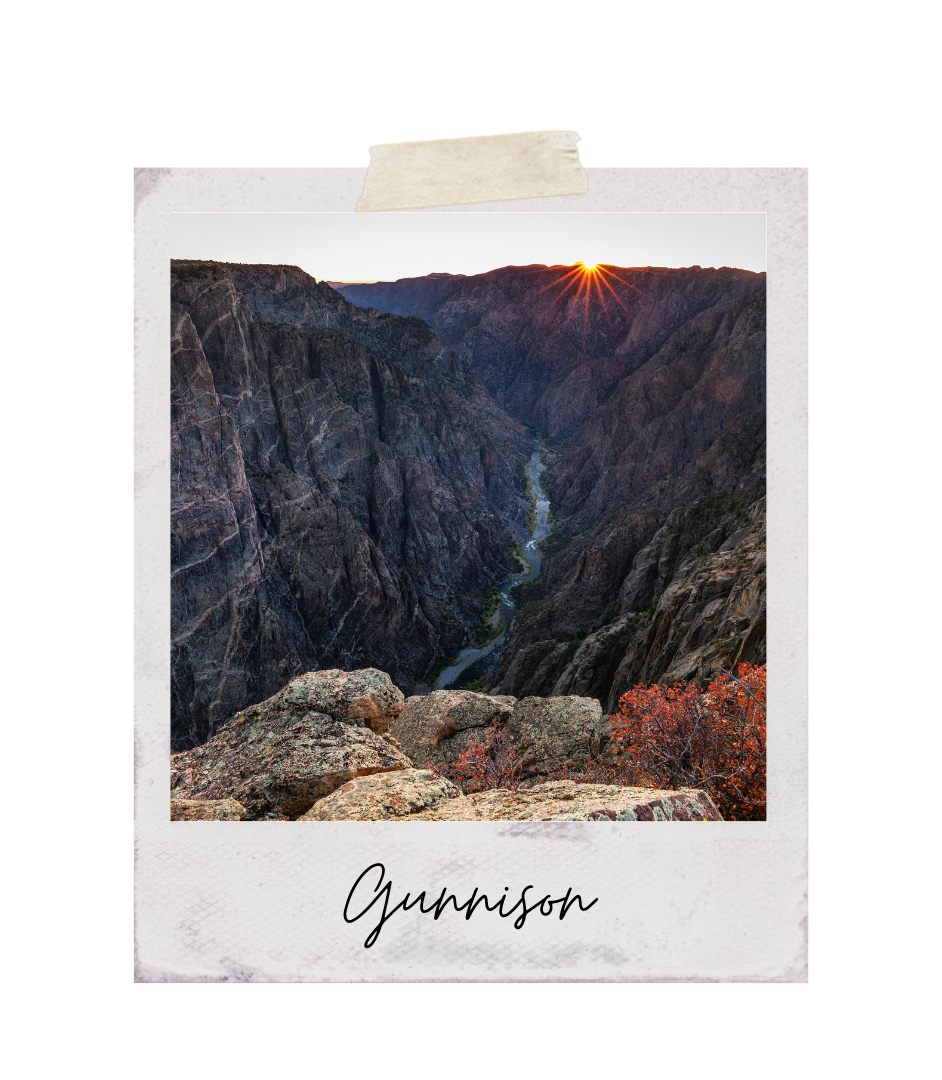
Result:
x=422 y=795
x=384 y=797
x=438 y=727
x=279 y=757
x=206 y=810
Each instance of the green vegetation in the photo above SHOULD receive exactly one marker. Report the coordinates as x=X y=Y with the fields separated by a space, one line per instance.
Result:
x=477 y=685
x=572 y=647
x=517 y=550
x=488 y=630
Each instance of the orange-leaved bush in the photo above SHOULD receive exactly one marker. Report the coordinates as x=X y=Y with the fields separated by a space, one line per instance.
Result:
x=491 y=764
x=681 y=736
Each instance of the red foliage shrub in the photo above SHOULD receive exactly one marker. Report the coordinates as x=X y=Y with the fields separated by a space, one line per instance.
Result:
x=679 y=736
x=488 y=764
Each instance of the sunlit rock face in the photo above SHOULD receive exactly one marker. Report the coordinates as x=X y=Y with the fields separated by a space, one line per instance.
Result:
x=344 y=490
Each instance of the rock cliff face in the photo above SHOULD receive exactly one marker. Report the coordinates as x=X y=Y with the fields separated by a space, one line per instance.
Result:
x=343 y=490
x=654 y=401
x=669 y=586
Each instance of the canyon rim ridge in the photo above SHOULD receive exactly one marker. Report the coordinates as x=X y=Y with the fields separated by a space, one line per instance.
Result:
x=350 y=484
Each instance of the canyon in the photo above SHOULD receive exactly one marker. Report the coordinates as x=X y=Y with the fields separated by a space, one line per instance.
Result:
x=348 y=478
x=650 y=386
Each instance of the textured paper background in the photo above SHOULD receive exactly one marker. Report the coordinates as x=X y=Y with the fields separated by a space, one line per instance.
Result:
x=494 y=167
x=681 y=901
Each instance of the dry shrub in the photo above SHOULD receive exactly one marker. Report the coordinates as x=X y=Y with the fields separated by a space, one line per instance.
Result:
x=444 y=729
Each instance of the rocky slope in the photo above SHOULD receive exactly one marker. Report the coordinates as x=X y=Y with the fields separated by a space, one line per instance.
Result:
x=656 y=569
x=344 y=490
x=325 y=748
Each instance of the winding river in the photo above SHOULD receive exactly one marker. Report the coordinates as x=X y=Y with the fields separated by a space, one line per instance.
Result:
x=473 y=663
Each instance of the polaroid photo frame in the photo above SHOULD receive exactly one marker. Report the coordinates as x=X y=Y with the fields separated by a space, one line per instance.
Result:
x=684 y=901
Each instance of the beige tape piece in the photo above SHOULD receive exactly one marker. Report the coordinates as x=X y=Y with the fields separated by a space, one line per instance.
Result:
x=446 y=172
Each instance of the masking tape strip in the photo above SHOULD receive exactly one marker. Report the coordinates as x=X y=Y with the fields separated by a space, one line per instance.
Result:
x=447 y=172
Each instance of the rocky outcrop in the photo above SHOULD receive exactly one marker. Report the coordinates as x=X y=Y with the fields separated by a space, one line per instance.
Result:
x=368 y=695
x=400 y=797
x=438 y=727
x=206 y=810
x=548 y=734
x=308 y=754
x=387 y=797
x=344 y=490
x=278 y=758
x=544 y=734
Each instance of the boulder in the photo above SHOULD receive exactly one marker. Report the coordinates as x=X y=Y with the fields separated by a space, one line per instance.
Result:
x=384 y=797
x=206 y=810
x=278 y=762
x=549 y=733
x=562 y=800
x=439 y=726
x=422 y=795
x=368 y=695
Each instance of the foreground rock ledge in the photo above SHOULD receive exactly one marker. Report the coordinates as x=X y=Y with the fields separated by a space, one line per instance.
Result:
x=279 y=757
x=422 y=795
x=206 y=810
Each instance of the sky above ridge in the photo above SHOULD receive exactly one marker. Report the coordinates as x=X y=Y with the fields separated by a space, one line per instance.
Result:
x=387 y=246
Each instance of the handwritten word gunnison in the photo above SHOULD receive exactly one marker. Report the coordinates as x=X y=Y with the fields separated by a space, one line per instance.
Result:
x=544 y=906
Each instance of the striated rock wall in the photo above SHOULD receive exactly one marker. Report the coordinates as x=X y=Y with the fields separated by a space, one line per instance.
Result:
x=343 y=490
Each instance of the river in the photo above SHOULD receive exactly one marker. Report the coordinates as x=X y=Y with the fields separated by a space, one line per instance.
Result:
x=473 y=663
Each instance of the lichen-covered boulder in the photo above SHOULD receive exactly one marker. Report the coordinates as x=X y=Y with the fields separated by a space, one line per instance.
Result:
x=367 y=694
x=549 y=733
x=562 y=800
x=384 y=797
x=439 y=726
x=206 y=810
x=278 y=763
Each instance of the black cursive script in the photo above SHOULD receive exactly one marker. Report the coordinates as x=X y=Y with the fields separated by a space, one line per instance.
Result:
x=545 y=906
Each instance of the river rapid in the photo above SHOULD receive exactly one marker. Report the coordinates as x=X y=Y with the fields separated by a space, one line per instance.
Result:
x=473 y=663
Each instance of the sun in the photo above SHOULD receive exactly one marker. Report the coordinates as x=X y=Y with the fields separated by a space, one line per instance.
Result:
x=589 y=265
